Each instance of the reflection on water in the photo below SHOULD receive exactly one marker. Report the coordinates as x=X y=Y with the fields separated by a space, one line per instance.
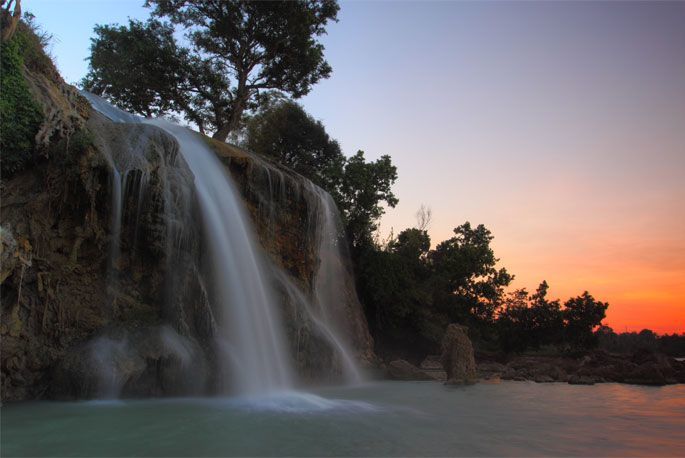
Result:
x=380 y=419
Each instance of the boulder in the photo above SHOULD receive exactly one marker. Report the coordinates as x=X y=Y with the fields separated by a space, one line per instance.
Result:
x=457 y=356
x=120 y=362
x=431 y=363
x=652 y=369
x=649 y=374
x=8 y=260
x=491 y=370
x=576 y=379
x=404 y=370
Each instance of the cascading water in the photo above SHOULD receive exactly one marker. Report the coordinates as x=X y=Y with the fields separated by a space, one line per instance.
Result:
x=251 y=340
x=129 y=174
x=333 y=290
x=250 y=346
x=332 y=272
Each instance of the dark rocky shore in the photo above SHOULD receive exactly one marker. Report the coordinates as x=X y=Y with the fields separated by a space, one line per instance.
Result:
x=596 y=367
x=453 y=365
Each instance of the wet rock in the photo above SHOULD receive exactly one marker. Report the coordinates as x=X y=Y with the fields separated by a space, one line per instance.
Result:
x=490 y=370
x=431 y=362
x=457 y=356
x=432 y=366
x=121 y=362
x=400 y=369
x=8 y=260
x=581 y=380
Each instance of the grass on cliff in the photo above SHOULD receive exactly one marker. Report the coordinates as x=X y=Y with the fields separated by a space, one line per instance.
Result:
x=20 y=114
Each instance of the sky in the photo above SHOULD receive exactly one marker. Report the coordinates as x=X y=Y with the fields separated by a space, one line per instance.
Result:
x=560 y=126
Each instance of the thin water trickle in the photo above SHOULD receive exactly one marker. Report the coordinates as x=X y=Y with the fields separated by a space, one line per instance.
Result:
x=333 y=278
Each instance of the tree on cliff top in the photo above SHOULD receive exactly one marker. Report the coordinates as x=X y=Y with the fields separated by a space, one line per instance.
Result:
x=284 y=131
x=237 y=48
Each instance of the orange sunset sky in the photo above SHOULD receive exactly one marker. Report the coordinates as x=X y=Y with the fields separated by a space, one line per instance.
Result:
x=558 y=125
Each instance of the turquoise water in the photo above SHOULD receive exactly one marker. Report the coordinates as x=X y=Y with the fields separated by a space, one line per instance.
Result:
x=378 y=419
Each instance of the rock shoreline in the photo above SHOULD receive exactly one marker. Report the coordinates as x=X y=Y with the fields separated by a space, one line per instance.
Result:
x=642 y=368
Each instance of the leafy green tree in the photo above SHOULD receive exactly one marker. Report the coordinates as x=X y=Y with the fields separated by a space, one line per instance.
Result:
x=529 y=320
x=393 y=285
x=582 y=315
x=148 y=50
x=515 y=322
x=467 y=283
x=283 y=130
x=411 y=293
x=237 y=48
x=547 y=318
x=364 y=188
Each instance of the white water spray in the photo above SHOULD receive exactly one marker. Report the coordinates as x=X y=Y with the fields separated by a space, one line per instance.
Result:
x=249 y=325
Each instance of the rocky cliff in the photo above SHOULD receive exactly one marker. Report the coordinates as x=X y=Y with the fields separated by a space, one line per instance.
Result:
x=100 y=302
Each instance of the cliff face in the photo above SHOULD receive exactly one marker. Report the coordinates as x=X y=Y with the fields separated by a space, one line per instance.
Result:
x=100 y=302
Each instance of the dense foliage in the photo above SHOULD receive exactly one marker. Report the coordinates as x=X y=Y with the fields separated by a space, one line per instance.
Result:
x=237 y=48
x=412 y=292
x=20 y=115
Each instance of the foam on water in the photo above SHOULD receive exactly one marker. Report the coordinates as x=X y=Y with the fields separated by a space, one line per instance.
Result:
x=300 y=402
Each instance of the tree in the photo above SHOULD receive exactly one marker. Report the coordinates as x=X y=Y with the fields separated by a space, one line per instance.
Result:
x=365 y=186
x=283 y=130
x=237 y=48
x=582 y=315
x=149 y=50
x=393 y=285
x=467 y=281
x=515 y=322
x=547 y=319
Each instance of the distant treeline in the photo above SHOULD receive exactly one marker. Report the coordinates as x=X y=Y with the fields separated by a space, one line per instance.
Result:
x=645 y=340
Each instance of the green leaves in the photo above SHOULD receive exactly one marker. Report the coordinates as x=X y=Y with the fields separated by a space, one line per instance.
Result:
x=140 y=67
x=235 y=49
x=20 y=115
x=365 y=187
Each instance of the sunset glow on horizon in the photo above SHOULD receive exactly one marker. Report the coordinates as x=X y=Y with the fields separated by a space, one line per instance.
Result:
x=560 y=126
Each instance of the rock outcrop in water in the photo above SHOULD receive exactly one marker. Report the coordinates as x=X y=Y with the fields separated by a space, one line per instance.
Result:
x=104 y=286
x=457 y=356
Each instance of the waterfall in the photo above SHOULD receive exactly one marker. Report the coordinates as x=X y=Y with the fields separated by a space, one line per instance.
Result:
x=250 y=348
x=333 y=272
x=251 y=341
x=332 y=292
